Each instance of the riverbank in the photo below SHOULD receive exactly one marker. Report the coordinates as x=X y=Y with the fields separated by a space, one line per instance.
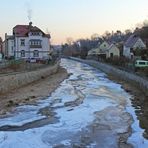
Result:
x=30 y=93
x=131 y=78
x=139 y=101
x=87 y=107
x=138 y=91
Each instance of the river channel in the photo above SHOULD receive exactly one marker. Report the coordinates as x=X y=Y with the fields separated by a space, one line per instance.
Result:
x=87 y=110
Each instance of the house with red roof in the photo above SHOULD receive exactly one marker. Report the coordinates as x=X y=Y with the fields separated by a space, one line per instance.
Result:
x=27 y=41
x=134 y=42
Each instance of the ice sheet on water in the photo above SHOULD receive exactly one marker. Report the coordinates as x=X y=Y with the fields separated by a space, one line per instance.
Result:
x=21 y=118
x=70 y=123
x=72 y=119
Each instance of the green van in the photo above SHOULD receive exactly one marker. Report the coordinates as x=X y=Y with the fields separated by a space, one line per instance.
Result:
x=141 y=63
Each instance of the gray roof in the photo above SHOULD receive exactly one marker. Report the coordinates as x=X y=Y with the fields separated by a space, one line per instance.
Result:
x=131 y=41
x=10 y=37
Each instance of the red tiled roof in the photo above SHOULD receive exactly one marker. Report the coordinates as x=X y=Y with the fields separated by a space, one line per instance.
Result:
x=23 y=30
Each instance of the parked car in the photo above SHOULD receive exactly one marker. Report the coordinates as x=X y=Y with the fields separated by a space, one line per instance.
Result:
x=140 y=64
x=31 y=60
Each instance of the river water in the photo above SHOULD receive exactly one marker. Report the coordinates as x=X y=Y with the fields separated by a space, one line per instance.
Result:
x=65 y=118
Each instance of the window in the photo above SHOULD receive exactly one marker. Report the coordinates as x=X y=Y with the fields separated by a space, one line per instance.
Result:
x=36 y=53
x=142 y=63
x=23 y=53
x=35 y=44
x=131 y=49
x=35 y=33
x=111 y=55
x=22 y=42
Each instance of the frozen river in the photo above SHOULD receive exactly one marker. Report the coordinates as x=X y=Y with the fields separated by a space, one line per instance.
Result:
x=87 y=110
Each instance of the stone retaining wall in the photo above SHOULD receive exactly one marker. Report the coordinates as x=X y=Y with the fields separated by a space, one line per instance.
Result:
x=123 y=75
x=15 y=81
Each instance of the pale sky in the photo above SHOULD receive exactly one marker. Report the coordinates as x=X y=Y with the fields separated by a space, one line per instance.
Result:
x=73 y=18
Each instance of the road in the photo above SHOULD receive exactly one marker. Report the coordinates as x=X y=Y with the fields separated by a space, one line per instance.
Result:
x=86 y=111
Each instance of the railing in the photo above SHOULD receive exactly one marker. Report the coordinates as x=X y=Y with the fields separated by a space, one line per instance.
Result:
x=35 y=46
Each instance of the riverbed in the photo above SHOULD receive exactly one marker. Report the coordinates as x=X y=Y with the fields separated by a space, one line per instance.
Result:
x=86 y=110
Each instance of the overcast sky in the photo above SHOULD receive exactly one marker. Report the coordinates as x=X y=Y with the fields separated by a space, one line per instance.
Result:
x=73 y=18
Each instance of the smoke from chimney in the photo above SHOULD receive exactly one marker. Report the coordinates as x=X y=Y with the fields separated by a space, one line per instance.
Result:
x=29 y=11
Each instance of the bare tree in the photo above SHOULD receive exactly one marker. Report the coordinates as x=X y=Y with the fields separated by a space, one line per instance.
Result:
x=69 y=40
x=95 y=36
x=128 y=31
x=107 y=35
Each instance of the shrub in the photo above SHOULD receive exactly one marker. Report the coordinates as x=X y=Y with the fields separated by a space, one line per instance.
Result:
x=15 y=64
x=119 y=61
x=145 y=71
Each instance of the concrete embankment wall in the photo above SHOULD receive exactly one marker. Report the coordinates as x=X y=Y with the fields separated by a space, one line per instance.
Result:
x=14 y=81
x=123 y=75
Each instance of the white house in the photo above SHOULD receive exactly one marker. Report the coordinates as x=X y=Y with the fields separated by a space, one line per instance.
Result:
x=104 y=46
x=27 y=41
x=133 y=42
x=99 y=52
x=112 y=51
x=105 y=50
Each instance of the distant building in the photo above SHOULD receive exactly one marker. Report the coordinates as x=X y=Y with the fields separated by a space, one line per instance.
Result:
x=1 y=45
x=104 y=46
x=1 y=49
x=105 y=50
x=27 y=41
x=8 y=46
x=134 y=42
x=112 y=51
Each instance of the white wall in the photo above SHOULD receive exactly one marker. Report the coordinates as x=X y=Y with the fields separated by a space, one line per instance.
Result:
x=10 y=46
x=19 y=48
x=126 y=52
x=104 y=46
x=45 y=47
x=43 y=52
x=114 y=50
x=139 y=44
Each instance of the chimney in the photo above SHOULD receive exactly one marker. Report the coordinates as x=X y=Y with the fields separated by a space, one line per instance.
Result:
x=30 y=25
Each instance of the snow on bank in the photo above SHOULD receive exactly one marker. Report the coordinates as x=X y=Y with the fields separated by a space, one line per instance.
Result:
x=136 y=139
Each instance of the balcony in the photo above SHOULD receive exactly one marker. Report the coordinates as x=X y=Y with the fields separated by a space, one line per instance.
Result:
x=35 y=46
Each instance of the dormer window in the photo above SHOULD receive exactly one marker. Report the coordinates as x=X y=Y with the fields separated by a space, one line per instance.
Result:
x=35 y=33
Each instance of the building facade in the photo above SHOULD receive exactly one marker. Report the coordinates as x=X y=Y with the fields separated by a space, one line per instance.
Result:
x=134 y=42
x=112 y=51
x=26 y=42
